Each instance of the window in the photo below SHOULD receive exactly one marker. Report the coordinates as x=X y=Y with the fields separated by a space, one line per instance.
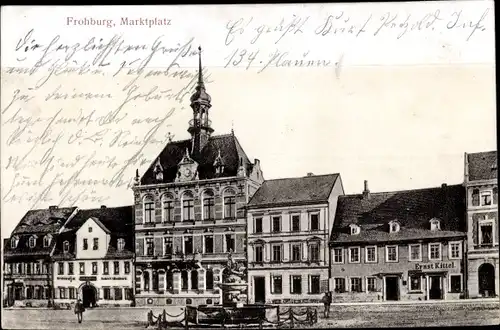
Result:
x=209 y=282
x=46 y=240
x=188 y=245
x=121 y=244
x=277 y=253
x=338 y=255
x=371 y=254
x=126 y=266
x=95 y=246
x=435 y=251
x=62 y=293
x=435 y=224
x=354 y=230
x=314 y=286
x=70 y=268
x=371 y=284
x=475 y=197
x=48 y=292
x=295 y=223
x=107 y=293
x=230 y=206
x=82 y=268
x=188 y=207
x=415 y=282
x=116 y=268
x=105 y=268
x=229 y=242
x=314 y=252
x=37 y=268
x=118 y=294
x=277 y=284
x=150 y=247
x=314 y=221
x=149 y=210
x=38 y=292
x=296 y=284
x=455 y=250
x=14 y=241
x=72 y=293
x=208 y=206
x=60 y=269
x=393 y=227
x=485 y=198
x=65 y=246
x=276 y=224
x=128 y=294
x=495 y=195
x=168 y=209
x=296 y=252
x=258 y=225
x=356 y=284
x=94 y=268
x=258 y=250
x=486 y=233
x=391 y=253
x=456 y=283
x=209 y=244
x=28 y=268
x=339 y=284
x=415 y=252
x=184 y=280
x=354 y=254
x=85 y=244
x=32 y=242
x=168 y=246
x=29 y=292
x=146 y=281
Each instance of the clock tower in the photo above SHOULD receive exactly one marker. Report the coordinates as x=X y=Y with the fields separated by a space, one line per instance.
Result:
x=187 y=170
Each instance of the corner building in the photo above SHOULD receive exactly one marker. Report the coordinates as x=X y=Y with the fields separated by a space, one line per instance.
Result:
x=481 y=184
x=190 y=213
x=400 y=245
x=289 y=221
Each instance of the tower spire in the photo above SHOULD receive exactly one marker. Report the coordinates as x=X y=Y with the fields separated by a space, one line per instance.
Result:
x=200 y=71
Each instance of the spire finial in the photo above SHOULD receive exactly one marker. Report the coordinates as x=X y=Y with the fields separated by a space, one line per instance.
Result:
x=200 y=72
x=232 y=127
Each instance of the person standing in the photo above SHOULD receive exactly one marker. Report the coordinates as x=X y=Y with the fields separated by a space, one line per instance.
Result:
x=79 y=309
x=327 y=300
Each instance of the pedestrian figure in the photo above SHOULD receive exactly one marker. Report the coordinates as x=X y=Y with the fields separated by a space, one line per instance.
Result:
x=327 y=300
x=79 y=309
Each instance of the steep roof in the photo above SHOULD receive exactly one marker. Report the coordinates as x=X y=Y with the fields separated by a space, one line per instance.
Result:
x=482 y=165
x=413 y=209
x=282 y=192
x=230 y=150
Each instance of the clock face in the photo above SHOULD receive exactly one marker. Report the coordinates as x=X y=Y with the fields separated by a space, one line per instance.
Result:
x=187 y=172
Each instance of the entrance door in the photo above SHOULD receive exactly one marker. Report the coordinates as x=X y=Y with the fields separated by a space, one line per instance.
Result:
x=392 y=288
x=435 y=290
x=88 y=296
x=259 y=289
x=487 y=280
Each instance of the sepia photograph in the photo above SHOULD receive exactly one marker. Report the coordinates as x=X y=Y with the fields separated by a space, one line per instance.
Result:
x=266 y=166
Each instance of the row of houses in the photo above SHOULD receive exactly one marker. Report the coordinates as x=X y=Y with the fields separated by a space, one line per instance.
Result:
x=203 y=199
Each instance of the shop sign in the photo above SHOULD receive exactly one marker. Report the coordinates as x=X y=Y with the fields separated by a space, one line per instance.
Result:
x=435 y=265
x=88 y=278
x=115 y=278
x=66 y=278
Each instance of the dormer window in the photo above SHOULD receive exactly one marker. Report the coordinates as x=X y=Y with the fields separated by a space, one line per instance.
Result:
x=47 y=240
x=435 y=224
x=32 y=242
x=121 y=244
x=13 y=242
x=393 y=227
x=66 y=246
x=354 y=229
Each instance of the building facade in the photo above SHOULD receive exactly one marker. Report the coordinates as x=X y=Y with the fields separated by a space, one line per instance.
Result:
x=93 y=258
x=289 y=221
x=27 y=277
x=481 y=184
x=402 y=245
x=189 y=213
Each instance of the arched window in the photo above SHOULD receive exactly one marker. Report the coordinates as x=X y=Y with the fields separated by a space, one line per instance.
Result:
x=170 y=280
x=475 y=197
x=149 y=209
x=168 y=208
x=121 y=244
x=46 y=240
x=393 y=227
x=187 y=207
x=13 y=242
x=229 y=204
x=184 y=279
x=146 y=281
x=32 y=241
x=194 y=279
x=155 y=281
x=208 y=205
x=435 y=225
x=65 y=246
x=209 y=279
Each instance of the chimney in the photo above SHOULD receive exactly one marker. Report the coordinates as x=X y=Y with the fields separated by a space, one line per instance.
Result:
x=444 y=185
x=257 y=162
x=52 y=207
x=103 y=206
x=366 y=191
x=310 y=174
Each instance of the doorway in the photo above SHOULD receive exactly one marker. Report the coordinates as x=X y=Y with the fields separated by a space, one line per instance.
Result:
x=435 y=288
x=259 y=289
x=392 y=288
x=89 y=296
x=487 y=280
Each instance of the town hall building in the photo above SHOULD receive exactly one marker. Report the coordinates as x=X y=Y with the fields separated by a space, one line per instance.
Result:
x=189 y=213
